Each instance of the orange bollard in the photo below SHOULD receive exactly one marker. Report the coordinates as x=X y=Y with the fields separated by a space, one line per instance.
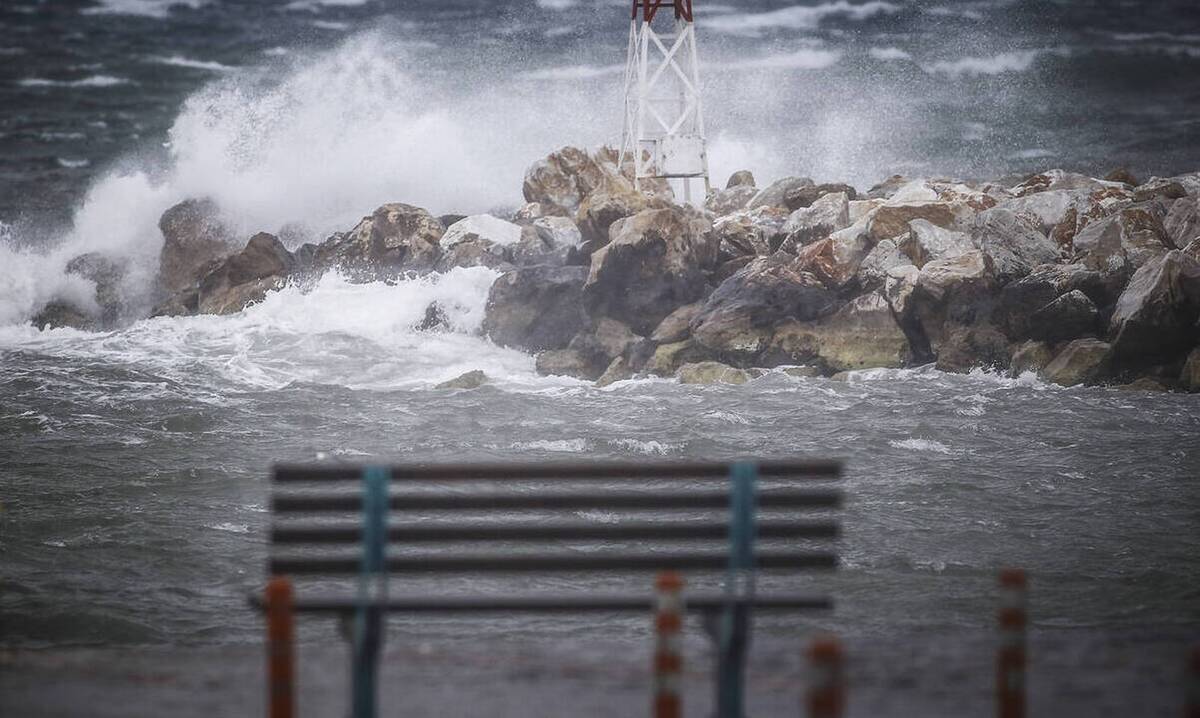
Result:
x=280 y=655
x=826 y=690
x=1010 y=659
x=668 y=645
x=1193 y=685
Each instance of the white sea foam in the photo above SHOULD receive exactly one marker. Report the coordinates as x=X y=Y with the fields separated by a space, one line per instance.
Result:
x=92 y=81
x=649 y=448
x=360 y=336
x=796 y=17
x=573 y=72
x=72 y=163
x=230 y=527
x=557 y=4
x=564 y=446
x=889 y=54
x=1014 y=61
x=929 y=445
x=181 y=61
x=146 y=8
x=806 y=59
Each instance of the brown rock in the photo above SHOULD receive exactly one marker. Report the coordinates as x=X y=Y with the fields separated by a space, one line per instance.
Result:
x=1083 y=361
x=194 y=238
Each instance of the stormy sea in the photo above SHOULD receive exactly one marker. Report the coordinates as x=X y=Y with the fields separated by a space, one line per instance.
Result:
x=135 y=457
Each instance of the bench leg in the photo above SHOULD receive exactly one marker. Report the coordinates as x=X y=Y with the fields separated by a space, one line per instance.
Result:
x=280 y=651
x=366 y=647
x=730 y=677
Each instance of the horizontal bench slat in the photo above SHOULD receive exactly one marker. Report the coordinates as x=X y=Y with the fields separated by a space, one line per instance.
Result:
x=297 y=565
x=352 y=533
x=616 y=470
x=313 y=502
x=546 y=603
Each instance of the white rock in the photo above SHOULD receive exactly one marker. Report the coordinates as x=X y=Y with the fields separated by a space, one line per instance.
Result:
x=483 y=226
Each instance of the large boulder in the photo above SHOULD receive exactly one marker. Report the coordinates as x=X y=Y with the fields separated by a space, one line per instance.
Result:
x=729 y=200
x=948 y=293
x=1013 y=243
x=816 y=221
x=751 y=233
x=654 y=264
x=560 y=181
x=873 y=270
x=863 y=334
x=1070 y=316
x=926 y=241
x=1083 y=361
x=966 y=347
x=396 y=238
x=613 y=200
x=667 y=358
x=737 y=320
x=1057 y=179
x=1048 y=209
x=711 y=372
x=109 y=276
x=568 y=362
x=548 y=240
x=1117 y=245
x=1182 y=223
x=890 y=221
x=195 y=238
x=245 y=277
x=480 y=240
x=775 y=194
x=606 y=341
x=58 y=314
x=805 y=195
x=677 y=325
x=1189 y=378
x=1155 y=317
x=536 y=308
x=1030 y=356
x=1019 y=300
x=837 y=259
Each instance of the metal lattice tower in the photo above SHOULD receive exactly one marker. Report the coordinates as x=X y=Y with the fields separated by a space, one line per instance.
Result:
x=664 y=122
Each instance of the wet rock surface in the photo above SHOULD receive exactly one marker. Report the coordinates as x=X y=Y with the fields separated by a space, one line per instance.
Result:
x=1083 y=280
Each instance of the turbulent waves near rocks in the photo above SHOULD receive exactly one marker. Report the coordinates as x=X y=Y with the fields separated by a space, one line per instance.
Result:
x=1081 y=280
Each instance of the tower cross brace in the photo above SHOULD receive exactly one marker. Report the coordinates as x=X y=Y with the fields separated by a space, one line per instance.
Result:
x=664 y=122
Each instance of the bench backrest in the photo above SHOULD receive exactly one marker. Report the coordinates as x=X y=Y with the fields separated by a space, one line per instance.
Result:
x=450 y=518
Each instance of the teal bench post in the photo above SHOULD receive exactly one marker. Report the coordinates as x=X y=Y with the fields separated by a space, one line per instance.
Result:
x=372 y=592
x=734 y=635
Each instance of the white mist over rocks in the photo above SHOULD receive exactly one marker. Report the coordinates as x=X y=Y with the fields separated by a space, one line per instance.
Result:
x=314 y=142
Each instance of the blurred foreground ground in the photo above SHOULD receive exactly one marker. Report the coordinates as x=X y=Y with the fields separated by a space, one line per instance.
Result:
x=930 y=674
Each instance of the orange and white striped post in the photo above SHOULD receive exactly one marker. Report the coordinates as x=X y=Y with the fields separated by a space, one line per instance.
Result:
x=668 y=645
x=1193 y=685
x=280 y=652
x=1010 y=660
x=826 y=690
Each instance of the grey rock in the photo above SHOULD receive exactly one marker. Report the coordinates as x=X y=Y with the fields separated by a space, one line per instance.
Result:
x=1083 y=361
x=711 y=372
x=536 y=308
x=194 y=239
x=1012 y=242
x=655 y=263
x=926 y=241
x=775 y=195
x=1155 y=317
x=469 y=380
x=1068 y=317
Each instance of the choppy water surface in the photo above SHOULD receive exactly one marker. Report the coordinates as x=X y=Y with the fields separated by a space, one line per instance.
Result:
x=135 y=465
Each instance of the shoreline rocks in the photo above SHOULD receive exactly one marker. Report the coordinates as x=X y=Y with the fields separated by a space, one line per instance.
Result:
x=1082 y=280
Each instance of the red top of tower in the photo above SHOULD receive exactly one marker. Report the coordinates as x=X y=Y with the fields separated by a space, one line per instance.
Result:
x=683 y=9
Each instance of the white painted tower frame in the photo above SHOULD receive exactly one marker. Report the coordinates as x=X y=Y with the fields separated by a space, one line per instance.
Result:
x=664 y=120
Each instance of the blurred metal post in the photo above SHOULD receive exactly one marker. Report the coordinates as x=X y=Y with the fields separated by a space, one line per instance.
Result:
x=826 y=691
x=280 y=654
x=1193 y=685
x=668 y=645
x=739 y=592
x=1010 y=660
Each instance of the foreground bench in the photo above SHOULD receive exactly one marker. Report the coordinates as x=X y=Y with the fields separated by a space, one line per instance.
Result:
x=332 y=522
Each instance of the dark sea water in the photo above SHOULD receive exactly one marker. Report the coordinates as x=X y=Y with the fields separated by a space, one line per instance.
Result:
x=133 y=463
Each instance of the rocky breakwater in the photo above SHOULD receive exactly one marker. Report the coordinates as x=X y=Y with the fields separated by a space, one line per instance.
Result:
x=1082 y=280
